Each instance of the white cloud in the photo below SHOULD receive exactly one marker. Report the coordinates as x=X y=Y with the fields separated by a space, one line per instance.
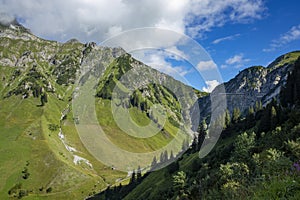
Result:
x=217 y=41
x=291 y=35
x=5 y=18
x=237 y=60
x=99 y=19
x=216 y=13
x=157 y=60
x=95 y=19
x=206 y=65
x=224 y=66
x=176 y=53
x=211 y=85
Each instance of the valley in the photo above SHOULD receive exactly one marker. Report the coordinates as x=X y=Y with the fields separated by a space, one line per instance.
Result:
x=63 y=106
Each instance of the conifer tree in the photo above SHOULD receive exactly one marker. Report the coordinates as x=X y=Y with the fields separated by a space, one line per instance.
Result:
x=139 y=174
x=236 y=115
x=227 y=118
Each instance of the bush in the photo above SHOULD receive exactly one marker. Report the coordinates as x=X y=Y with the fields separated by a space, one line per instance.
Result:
x=49 y=190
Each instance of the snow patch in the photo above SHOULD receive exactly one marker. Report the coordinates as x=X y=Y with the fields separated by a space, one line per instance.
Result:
x=78 y=159
x=62 y=138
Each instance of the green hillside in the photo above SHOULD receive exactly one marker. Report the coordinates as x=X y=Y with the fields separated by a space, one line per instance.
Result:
x=42 y=156
x=257 y=157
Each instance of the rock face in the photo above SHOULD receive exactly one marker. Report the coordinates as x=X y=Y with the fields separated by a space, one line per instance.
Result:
x=40 y=66
x=254 y=84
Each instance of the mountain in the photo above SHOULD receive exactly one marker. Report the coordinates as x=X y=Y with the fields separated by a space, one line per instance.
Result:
x=256 y=157
x=52 y=94
x=254 y=85
x=42 y=155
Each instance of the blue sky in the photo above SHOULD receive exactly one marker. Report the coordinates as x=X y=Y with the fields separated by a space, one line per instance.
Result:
x=235 y=33
x=251 y=43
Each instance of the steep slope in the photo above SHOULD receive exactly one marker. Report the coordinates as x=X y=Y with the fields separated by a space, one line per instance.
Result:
x=42 y=155
x=254 y=84
x=250 y=161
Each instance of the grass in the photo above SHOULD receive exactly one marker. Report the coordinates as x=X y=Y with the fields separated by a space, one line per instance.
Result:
x=27 y=143
x=127 y=142
x=25 y=138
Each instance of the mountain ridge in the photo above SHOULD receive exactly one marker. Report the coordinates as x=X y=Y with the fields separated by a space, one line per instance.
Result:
x=38 y=80
x=254 y=84
x=38 y=126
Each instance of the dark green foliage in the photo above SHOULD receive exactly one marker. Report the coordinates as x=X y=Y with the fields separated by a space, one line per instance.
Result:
x=66 y=70
x=49 y=190
x=154 y=163
x=242 y=147
x=236 y=115
x=227 y=118
x=114 y=72
x=242 y=165
x=173 y=167
x=290 y=95
x=53 y=127
x=179 y=184
x=17 y=191
x=258 y=106
x=139 y=174
x=44 y=99
x=269 y=118
x=250 y=118
x=133 y=177
x=25 y=173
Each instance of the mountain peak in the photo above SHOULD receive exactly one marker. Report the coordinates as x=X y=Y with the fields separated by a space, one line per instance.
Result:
x=8 y=21
x=11 y=28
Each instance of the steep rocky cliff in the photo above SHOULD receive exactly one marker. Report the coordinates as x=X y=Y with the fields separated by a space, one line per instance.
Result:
x=254 y=84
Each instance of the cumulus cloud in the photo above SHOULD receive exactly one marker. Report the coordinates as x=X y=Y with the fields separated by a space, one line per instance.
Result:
x=95 y=19
x=99 y=19
x=206 y=65
x=207 y=14
x=211 y=85
x=157 y=60
x=291 y=35
x=5 y=18
x=236 y=60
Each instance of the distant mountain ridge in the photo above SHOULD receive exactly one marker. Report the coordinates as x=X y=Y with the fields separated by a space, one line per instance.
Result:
x=254 y=84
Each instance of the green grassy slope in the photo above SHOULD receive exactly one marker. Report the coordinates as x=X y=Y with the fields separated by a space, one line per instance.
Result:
x=38 y=150
x=256 y=157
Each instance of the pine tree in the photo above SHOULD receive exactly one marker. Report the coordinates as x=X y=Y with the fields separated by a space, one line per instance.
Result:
x=258 y=106
x=227 y=118
x=154 y=163
x=44 y=99
x=236 y=115
x=202 y=134
x=165 y=156
x=290 y=94
x=265 y=122
x=133 y=177
x=172 y=157
x=273 y=117
x=250 y=117
x=195 y=143
x=139 y=174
